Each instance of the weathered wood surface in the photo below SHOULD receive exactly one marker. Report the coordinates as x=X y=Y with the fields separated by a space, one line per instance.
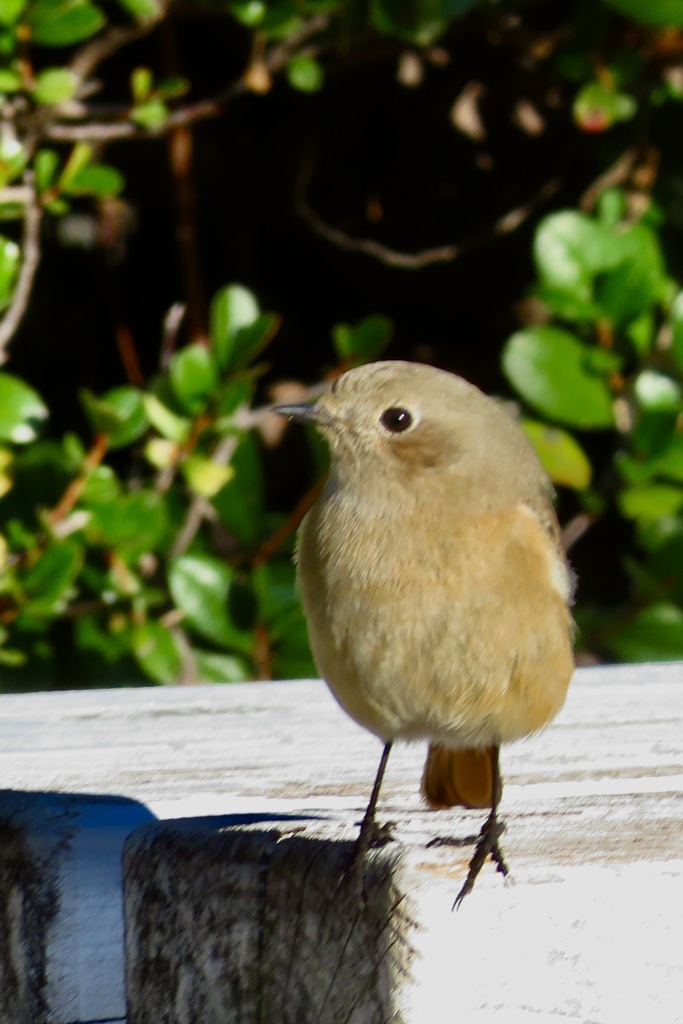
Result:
x=591 y=931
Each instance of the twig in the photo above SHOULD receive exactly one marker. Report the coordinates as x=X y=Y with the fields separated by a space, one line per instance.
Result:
x=575 y=529
x=74 y=490
x=278 y=56
x=273 y=543
x=274 y=61
x=90 y=56
x=199 y=508
x=172 y=323
x=31 y=258
x=617 y=174
x=510 y=221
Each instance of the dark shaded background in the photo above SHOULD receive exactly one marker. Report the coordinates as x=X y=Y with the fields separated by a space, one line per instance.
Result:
x=384 y=161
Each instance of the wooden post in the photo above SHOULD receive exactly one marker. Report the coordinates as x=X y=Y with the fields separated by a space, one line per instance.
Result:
x=236 y=903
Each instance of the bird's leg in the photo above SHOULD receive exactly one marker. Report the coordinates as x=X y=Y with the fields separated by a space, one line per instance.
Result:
x=369 y=833
x=487 y=842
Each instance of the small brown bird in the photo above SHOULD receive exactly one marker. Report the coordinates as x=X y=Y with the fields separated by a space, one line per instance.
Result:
x=434 y=584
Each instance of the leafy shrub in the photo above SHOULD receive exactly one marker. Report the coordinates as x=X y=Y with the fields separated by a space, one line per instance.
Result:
x=130 y=563
x=149 y=550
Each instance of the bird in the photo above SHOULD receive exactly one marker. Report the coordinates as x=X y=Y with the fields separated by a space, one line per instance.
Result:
x=433 y=580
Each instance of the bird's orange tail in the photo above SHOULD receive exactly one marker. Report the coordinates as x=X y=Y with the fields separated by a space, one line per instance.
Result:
x=459 y=778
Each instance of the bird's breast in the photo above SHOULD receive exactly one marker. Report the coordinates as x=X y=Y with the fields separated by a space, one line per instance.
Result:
x=423 y=626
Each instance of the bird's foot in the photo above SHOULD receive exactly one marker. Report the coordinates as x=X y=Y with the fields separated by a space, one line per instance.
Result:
x=372 y=836
x=487 y=845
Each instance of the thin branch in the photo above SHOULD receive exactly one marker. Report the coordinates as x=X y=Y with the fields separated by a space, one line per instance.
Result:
x=509 y=222
x=273 y=61
x=273 y=543
x=575 y=529
x=31 y=258
x=617 y=174
x=172 y=324
x=91 y=55
x=68 y=500
x=278 y=56
x=199 y=508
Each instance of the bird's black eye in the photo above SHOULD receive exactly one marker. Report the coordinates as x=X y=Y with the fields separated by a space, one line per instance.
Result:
x=396 y=420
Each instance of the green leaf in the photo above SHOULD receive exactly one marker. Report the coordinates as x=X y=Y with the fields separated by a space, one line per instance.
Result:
x=101 y=486
x=277 y=593
x=562 y=457
x=669 y=463
x=654 y=634
x=652 y=432
x=570 y=248
x=132 y=524
x=597 y=107
x=648 y=502
x=161 y=453
x=152 y=114
x=141 y=83
x=55 y=85
x=110 y=644
x=174 y=428
x=45 y=166
x=95 y=179
x=677 y=330
x=238 y=329
x=550 y=369
x=249 y=12
x=193 y=377
x=250 y=341
x=156 y=652
x=64 y=22
x=221 y=668
x=639 y=280
x=657 y=391
x=21 y=410
x=79 y=157
x=305 y=73
x=120 y=413
x=12 y=158
x=204 y=476
x=362 y=342
x=233 y=308
x=236 y=391
x=10 y=81
x=142 y=10
x=12 y=658
x=612 y=207
x=641 y=333
x=665 y=13
x=201 y=587
x=9 y=265
x=6 y=482
x=49 y=582
x=127 y=402
x=567 y=304
x=10 y=11
x=603 y=361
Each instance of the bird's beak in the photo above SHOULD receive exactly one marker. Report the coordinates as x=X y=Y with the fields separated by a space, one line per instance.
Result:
x=301 y=413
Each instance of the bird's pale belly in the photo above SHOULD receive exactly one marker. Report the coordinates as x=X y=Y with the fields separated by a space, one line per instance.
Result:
x=481 y=669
